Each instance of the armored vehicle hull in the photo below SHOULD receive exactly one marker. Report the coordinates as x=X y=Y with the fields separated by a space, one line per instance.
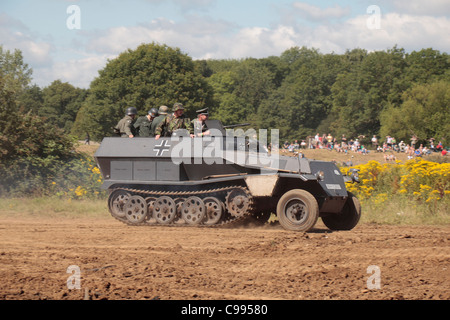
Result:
x=220 y=181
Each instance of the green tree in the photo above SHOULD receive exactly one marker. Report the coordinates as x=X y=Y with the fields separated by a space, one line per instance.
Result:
x=32 y=150
x=360 y=94
x=272 y=115
x=61 y=102
x=240 y=89
x=303 y=101
x=8 y=118
x=16 y=73
x=426 y=65
x=424 y=113
x=31 y=99
x=149 y=76
x=35 y=155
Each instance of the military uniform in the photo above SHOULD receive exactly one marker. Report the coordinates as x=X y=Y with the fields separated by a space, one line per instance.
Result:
x=143 y=127
x=172 y=123
x=162 y=115
x=125 y=126
x=199 y=125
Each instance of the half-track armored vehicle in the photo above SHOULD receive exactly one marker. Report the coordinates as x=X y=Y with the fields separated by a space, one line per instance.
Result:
x=219 y=180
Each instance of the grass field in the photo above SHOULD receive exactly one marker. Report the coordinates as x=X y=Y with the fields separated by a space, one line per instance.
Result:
x=53 y=207
x=393 y=212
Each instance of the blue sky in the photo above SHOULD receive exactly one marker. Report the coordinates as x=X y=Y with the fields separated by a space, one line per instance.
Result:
x=213 y=29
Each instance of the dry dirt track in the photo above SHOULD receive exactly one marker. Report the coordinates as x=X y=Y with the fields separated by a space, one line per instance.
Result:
x=123 y=262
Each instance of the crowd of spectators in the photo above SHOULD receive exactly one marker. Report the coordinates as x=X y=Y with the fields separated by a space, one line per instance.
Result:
x=410 y=149
x=388 y=146
x=327 y=142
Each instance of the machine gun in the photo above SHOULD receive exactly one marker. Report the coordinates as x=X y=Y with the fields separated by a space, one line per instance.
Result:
x=216 y=124
x=236 y=125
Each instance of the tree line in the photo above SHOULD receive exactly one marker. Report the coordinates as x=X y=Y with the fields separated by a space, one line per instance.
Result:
x=301 y=92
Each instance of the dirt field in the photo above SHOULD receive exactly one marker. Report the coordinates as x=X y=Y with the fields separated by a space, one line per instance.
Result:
x=173 y=263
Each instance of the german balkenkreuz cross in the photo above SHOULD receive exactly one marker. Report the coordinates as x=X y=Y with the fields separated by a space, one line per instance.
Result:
x=164 y=146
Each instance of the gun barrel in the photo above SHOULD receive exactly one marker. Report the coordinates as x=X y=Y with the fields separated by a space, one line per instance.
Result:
x=237 y=125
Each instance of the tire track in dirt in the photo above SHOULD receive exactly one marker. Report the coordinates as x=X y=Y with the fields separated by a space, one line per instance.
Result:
x=123 y=262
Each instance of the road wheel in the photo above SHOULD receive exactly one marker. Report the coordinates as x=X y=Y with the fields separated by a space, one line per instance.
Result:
x=164 y=210
x=193 y=210
x=348 y=218
x=117 y=202
x=214 y=209
x=297 y=210
x=136 y=209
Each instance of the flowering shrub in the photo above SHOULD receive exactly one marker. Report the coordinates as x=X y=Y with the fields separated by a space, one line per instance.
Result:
x=419 y=180
x=38 y=159
x=82 y=180
x=426 y=180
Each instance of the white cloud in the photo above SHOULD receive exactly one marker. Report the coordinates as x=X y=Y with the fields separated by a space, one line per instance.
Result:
x=407 y=31
x=314 y=13
x=420 y=7
x=258 y=42
x=187 y=5
x=211 y=39
x=15 y=35
x=200 y=38
x=78 y=72
x=203 y=37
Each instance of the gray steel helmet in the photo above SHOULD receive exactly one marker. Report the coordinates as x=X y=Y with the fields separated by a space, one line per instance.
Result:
x=153 y=112
x=177 y=106
x=163 y=110
x=131 y=111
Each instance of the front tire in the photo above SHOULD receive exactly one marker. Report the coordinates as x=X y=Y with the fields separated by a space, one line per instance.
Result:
x=297 y=210
x=348 y=218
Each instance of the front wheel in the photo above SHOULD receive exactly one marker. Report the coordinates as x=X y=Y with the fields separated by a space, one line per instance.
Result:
x=297 y=210
x=348 y=218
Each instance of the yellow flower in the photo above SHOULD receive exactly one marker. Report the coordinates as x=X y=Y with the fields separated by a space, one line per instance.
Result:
x=79 y=191
x=381 y=198
x=425 y=187
x=434 y=196
x=417 y=178
x=96 y=170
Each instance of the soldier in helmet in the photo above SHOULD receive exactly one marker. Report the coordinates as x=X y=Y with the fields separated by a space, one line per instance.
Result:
x=200 y=128
x=125 y=126
x=177 y=120
x=143 y=124
x=163 y=110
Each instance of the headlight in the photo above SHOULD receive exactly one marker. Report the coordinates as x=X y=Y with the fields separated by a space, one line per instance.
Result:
x=354 y=174
x=320 y=175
